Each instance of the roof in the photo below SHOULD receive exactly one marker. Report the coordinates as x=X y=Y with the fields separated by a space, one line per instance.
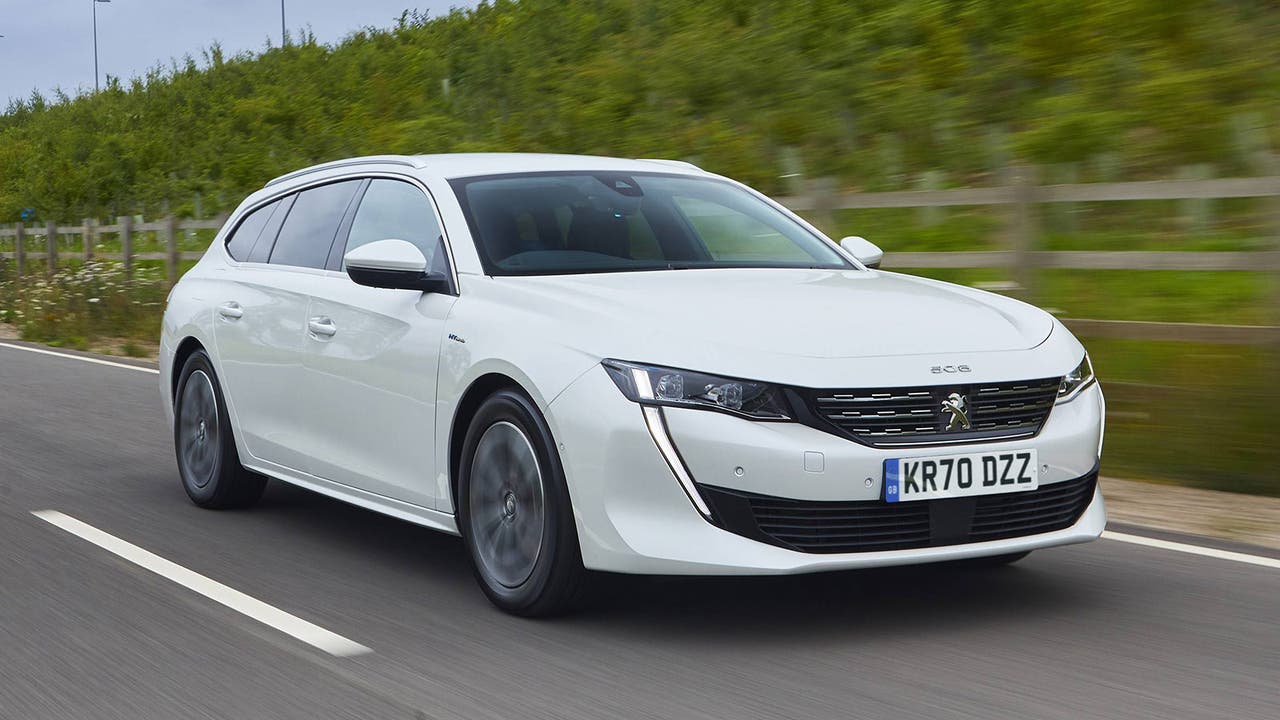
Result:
x=454 y=165
x=470 y=164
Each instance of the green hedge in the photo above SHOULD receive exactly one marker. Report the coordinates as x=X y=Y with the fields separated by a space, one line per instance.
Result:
x=875 y=92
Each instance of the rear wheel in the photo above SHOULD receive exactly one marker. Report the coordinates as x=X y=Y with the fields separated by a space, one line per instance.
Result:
x=207 y=459
x=514 y=510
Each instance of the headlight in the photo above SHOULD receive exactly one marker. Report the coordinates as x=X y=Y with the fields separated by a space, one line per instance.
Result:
x=650 y=385
x=1076 y=380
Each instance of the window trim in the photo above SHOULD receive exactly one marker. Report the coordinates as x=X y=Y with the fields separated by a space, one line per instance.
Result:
x=283 y=192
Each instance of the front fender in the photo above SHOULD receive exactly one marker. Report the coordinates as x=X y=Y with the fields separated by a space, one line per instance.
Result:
x=486 y=338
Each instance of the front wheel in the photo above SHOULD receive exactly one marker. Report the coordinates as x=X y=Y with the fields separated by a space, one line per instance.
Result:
x=514 y=510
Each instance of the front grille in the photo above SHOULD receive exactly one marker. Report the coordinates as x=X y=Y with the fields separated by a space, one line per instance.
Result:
x=875 y=525
x=896 y=417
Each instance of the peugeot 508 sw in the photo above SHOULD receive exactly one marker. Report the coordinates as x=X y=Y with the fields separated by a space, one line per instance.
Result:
x=589 y=364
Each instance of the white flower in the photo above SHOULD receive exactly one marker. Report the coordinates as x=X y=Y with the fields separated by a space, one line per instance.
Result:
x=93 y=300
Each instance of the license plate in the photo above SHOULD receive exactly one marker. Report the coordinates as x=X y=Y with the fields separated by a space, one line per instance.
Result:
x=949 y=476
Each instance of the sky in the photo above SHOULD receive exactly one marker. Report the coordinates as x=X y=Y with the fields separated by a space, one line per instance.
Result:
x=49 y=43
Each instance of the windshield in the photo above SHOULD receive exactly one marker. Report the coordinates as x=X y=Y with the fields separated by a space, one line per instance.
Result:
x=555 y=223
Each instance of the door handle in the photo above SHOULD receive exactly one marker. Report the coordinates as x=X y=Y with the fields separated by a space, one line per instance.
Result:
x=231 y=310
x=321 y=326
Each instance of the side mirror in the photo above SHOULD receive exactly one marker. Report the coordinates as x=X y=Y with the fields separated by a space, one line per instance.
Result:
x=392 y=264
x=867 y=252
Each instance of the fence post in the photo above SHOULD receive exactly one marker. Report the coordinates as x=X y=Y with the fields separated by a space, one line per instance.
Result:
x=1062 y=217
x=126 y=243
x=792 y=171
x=86 y=238
x=171 y=247
x=1197 y=213
x=931 y=215
x=823 y=192
x=19 y=248
x=51 y=244
x=1023 y=230
x=1273 y=165
x=1271 y=360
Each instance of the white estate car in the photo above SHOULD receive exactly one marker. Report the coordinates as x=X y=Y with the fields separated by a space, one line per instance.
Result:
x=582 y=363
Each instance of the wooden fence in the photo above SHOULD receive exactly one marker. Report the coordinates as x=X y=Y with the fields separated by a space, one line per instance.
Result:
x=1022 y=254
x=90 y=232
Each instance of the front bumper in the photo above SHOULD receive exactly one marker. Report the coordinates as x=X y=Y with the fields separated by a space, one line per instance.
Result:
x=633 y=515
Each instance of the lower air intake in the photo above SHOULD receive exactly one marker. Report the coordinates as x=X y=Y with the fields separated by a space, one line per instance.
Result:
x=875 y=525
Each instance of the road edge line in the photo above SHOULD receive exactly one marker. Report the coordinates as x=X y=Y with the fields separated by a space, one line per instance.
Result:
x=246 y=605
x=1192 y=549
x=81 y=358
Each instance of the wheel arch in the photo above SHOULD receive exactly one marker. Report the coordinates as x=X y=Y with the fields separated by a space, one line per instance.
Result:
x=470 y=401
x=193 y=340
x=186 y=347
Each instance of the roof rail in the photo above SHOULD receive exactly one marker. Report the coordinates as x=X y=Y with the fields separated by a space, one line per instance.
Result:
x=673 y=163
x=367 y=160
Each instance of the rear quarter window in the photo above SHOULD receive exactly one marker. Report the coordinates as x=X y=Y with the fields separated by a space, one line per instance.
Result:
x=245 y=236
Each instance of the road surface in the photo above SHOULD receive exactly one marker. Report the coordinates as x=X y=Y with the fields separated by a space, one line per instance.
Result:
x=1105 y=630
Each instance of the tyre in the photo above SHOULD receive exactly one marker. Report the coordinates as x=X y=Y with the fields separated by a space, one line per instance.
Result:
x=208 y=463
x=993 y=560
x=514 y=510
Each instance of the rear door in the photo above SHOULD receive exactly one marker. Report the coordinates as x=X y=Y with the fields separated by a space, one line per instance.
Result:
x=371 y=356
x=258 y=330
x=261 y=321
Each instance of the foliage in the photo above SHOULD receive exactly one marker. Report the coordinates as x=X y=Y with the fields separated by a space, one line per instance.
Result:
x=1197 y=415
x=80 y=304
x=873 y=91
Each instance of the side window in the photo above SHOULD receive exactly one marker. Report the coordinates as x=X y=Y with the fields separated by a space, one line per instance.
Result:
x=267 y=240
x=394 y=209
x=312 y=224
x=243 y=238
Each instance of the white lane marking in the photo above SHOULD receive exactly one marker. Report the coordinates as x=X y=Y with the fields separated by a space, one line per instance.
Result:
x=81 y=358
x=1193 y=549
x=313 y=635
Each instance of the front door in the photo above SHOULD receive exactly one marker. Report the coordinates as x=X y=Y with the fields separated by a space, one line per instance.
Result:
x=371 y=355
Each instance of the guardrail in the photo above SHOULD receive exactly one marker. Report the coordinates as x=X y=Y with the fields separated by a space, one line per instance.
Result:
x=1022 y=254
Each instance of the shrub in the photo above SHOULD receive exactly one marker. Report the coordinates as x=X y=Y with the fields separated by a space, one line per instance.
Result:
x=81 y=303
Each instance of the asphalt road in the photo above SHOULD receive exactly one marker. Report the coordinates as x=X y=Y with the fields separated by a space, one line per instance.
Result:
x=1104 y=630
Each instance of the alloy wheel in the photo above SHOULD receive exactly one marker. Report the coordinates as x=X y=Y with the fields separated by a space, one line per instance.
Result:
x=507 y=504
x=200 y=443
